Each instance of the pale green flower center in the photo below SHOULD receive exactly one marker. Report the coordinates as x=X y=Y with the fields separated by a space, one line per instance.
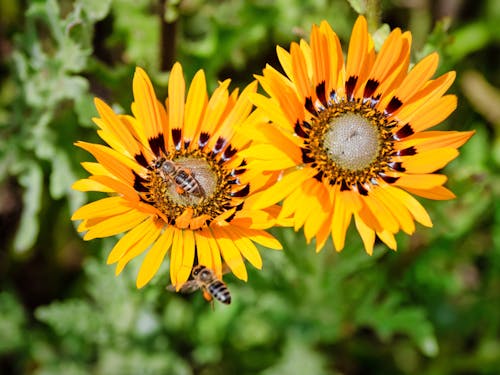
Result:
x=352 y=141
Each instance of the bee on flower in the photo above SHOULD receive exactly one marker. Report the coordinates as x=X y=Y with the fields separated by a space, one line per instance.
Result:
x=177 y=181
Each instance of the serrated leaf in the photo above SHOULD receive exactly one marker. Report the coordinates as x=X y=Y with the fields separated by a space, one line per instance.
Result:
x=359 y=6
x=62 y=175
x=72 y=56
x=71 y=317
x=32 y=182
x=95 y=10
x=12 y=320
x=388 y=318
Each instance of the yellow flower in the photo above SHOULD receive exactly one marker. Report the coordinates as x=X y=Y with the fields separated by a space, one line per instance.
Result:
x=177 y=181
x=350 y=139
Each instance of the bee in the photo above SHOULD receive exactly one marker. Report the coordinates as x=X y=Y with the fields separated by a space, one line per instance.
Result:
x=206 y=280
x=183 y=178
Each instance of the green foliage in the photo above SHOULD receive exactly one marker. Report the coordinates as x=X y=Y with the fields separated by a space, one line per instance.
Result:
x=430 y=308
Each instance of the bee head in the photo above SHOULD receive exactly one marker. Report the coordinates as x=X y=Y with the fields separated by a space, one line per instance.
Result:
x=197 y=269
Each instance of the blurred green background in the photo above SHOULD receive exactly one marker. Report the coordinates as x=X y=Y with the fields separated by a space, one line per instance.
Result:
x=433 y=307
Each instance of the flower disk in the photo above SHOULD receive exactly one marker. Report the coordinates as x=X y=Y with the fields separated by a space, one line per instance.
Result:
x=351 y=140
x=177 y=181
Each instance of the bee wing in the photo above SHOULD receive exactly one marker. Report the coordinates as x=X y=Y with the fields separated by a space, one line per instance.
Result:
x=188 y=287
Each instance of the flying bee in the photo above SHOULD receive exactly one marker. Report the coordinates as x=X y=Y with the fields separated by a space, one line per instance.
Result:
x=205 y=279
x=181 y=177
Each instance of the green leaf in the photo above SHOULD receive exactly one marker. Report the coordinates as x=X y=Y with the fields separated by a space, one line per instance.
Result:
x=298 y=358
x=12 y=321
x=71 y=317
x=62 y=175
x=96 y=10
x=389 y=317
x=31 y=180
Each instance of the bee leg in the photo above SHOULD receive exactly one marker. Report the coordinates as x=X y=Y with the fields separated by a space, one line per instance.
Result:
x=179 y=190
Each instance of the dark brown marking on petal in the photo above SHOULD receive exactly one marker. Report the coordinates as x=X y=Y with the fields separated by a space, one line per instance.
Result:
x=306 y=125
x=333 y=95
x=344 y=186
x=141 y=159
x=219 y=145
x=176 y=137
x=406 y=152
x=305 y=157
x=350 y=85
x=389 y=179
x=230 y=217
x=186 y=144
x=397 y=166
x=371 y=86
x=236 y=172
x=393 y=105
x=138 y=183
x=310 y=106
x=321 y=93
x=241 y=193
x=203 y=140
x=157 y=143
x=229 y=152
x=319 y=176
x=404 y=132
x=299 y=131
x=361 y=189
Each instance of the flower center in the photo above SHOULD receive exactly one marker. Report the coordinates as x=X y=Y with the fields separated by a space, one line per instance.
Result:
x=347 y=142
x=352 y=141
x=192 y=188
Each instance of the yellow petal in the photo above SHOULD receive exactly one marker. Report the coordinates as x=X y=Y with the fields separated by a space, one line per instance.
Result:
x=129 y=240
x=176 y=256
x=429 y=161
x=230 y=254
x=139 y=247
x=300 y=74
x=196 y=101
x=147 y=109
x=87 y=184
x=341 y=218
x=388 y=238
x=116 y=224
x=245 y=246
x=421 y=181
x=154 y=258
x=208 y=250
x=186 y=266
x=437 y=193
x=110 y=206
x=397 y=208
x=261 y=237
x=367 y=234
x=414 y=207
x=282 y=188
x=176 y=92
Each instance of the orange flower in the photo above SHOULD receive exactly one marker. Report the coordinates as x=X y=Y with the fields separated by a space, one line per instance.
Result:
x=177 y=181
x=351 y=140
